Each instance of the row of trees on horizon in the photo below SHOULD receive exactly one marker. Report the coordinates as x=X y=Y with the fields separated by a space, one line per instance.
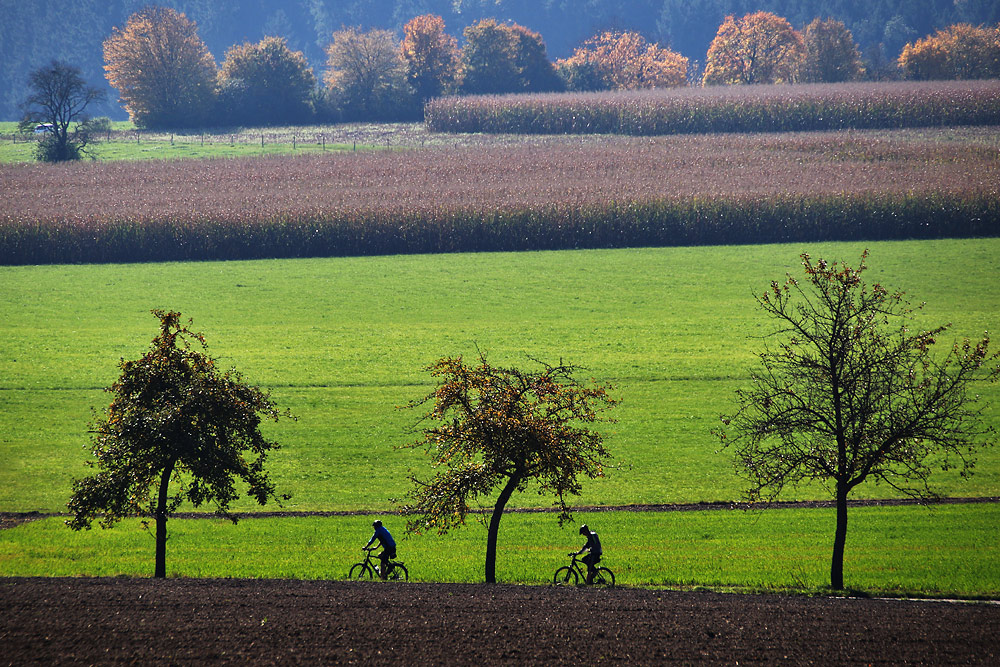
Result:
x=166 y=76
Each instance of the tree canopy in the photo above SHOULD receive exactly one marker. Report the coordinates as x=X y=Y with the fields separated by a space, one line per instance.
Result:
x=500 y=429
x=851 y=392
x=500 y=58
x=266 y=83
x=830 y=54
x=756 y=48
x=366 y=74
x=176 y=429
x=431 y=56
x=960 y=51
x=162 y=70
x=623 y=61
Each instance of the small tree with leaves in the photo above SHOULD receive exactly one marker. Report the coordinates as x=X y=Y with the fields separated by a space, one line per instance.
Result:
x=849 y=393
x=59 y=98
x=177 y=429
x=504 y=428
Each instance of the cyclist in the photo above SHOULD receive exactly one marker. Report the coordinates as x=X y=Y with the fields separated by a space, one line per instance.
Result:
x=593 y=550
x=388 y=547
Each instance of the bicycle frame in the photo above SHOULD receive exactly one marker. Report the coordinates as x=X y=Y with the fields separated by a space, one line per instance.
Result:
x=575 y=571
x=367 y=568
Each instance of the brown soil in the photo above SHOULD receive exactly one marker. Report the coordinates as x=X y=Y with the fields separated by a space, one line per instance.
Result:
x=198 y=621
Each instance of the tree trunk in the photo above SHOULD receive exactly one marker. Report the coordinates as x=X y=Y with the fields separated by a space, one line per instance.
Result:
x=839 y=538
x=161 y=522
x=491 y=535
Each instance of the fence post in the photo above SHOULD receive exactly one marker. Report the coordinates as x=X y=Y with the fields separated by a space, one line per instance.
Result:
x=262 y=141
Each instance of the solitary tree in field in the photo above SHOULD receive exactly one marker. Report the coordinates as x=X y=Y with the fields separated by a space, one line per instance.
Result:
x=850 y=393
x=757 y=48
x=177 y=429
x=161 y=69
x=59 y=97
x=504 y=428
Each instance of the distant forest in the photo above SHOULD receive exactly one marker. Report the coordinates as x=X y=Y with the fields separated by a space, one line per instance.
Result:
x=34 y=32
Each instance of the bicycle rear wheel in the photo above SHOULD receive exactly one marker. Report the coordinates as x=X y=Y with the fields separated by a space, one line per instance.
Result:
x=565 y=576
x=360 y=571
x=604 y=577
x=398 y=573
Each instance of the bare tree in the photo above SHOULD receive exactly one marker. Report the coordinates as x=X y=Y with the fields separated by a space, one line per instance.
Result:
x=849 y=393
x=59 y=98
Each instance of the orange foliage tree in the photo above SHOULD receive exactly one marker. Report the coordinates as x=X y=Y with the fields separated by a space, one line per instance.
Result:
x=960 y=51
x=501 y=429
x=757 y=48
x=162 y=70
x=830 y=53
x=623 y=61
x=266 y=83
x=431 y=56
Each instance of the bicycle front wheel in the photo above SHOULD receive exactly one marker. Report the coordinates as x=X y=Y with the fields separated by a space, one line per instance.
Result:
x=399 y=573
x=604 y=577
x=565 y=576
x=360 y=571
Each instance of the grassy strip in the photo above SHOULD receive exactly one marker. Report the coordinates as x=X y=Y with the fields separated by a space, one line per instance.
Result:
x=341 y=342
x=941 y=551
x=697 y=221
x=723 y=109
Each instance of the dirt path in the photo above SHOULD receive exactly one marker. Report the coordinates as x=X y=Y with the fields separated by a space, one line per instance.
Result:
x=11 y=519
x=269 y=622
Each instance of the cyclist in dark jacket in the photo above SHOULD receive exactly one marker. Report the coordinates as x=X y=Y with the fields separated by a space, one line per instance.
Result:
x=388 y=546
x=593 y=550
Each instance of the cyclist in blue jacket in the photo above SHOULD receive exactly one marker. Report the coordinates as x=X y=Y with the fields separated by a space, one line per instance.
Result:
x=388 y=546
x=593 y=550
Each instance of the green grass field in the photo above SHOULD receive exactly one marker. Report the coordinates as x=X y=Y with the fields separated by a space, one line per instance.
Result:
x=342 y=342
x=215 y=143
x=935 y=551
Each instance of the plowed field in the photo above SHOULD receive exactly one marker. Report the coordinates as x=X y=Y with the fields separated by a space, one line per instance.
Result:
x=199 y=621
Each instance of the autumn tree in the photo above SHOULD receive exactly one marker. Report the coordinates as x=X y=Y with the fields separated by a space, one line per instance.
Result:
x=830 y=53
x=431 y=56
x=757 y=48
x=960 y=51
x=176 y=429
x=850 y=392
x=59 y=97
x=162 y=70
x=502 y=58
x=266 y=83
x=366 y=75
x=623 y=61
x=504 y=428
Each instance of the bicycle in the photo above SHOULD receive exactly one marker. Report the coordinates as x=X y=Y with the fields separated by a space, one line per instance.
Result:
x=573 y=573
x=366 y=568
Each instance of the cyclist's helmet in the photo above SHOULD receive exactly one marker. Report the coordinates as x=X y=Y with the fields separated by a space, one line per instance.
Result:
x=584 y=530
x=376 y=523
